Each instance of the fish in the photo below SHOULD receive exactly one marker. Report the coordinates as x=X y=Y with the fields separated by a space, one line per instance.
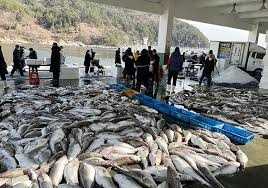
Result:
x=141 y=177
x=157 y=172
x=56 y=173
x=163 y=185
x=55 y=138
x=86 y=175
x=71 y=172
x=187 y=136
x=228 y=169
x=210 y=177
x=125 y=181
x=171 y=135
x=183 y=167
x=164 y=136
x=162 y=145
x=242 y=158
x=44 y=181
x=155 y=157
x=74 y=149
x=7 y=162
x=103 y=178
x=172 y=181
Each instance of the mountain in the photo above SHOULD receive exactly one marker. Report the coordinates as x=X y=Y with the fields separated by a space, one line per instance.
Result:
x=86 y=22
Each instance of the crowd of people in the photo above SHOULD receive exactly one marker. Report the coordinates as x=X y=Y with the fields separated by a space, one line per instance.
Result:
x=144 y=69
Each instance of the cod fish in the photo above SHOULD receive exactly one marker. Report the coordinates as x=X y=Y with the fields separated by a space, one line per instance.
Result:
x=71 y=172
x=142 y=178
x=183 y=167
x=56 y=173
x=56 y=138
x=242 y=158
x=125 y=181
x=7 y=162
x=228 y=169
x=162 y=144
x=163 y=185
x=44 y=181
x=74 y=149
x=172 y=179
x=86 y=175
x=103 y=178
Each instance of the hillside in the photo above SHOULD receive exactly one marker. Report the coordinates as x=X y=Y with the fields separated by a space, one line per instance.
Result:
x=80 y=21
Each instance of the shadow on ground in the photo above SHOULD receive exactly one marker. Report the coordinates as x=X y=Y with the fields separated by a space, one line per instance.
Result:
x=252 y=177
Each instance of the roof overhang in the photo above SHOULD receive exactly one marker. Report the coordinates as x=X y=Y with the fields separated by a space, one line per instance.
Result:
x=207 y=11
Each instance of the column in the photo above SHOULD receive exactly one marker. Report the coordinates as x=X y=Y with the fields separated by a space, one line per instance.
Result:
x=165 y=29
x=264 y=80
x=254 y=33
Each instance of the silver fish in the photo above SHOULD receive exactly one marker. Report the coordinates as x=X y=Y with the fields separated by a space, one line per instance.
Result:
x=125 y=181
x=56 y=173
x=71 y=172
x=55 y=138
x=86 y=175
x=103 y=178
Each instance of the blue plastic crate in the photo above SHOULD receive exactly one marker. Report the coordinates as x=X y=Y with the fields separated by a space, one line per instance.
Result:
x=163 y=108
x=181 y=115
x=236 y=134
x=145 y=100
x=206 y=123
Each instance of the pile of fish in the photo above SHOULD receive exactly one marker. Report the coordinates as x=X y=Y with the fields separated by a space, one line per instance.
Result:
x=246 y=108
x=95 y=137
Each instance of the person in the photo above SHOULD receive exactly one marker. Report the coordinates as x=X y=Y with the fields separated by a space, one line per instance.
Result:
x=142 y=65
x=136 y=55
x=156 y=72
x=22 y=58
x=202 y=58
x=87 y=61
x=32 y=55
x=150 y=52
x=62 y=57
x=118 y=57
x=175 y=66
x=3 y=69
x=129 y=71
x=163 y=83
x=17 y=61
x=208 y=67
x=55 y=64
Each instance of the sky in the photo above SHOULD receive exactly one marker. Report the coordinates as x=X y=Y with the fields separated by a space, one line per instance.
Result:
x=220 y=33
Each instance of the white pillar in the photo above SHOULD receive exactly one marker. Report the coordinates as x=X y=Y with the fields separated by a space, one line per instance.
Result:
x=254 y=33
x=166 y=27
x=264 y=80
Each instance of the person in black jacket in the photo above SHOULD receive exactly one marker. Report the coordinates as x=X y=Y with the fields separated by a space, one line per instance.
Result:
x=118 y=57
x=142 y=65
x=32 y=55
x=87 y=61
x=156 y=71
x=17 y=61
x=3 y=68
x=55 y=64
x=208 y=67
x=129 y=71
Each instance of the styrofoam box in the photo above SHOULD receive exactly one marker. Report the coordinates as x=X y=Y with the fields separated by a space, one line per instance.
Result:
x=69 y=73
